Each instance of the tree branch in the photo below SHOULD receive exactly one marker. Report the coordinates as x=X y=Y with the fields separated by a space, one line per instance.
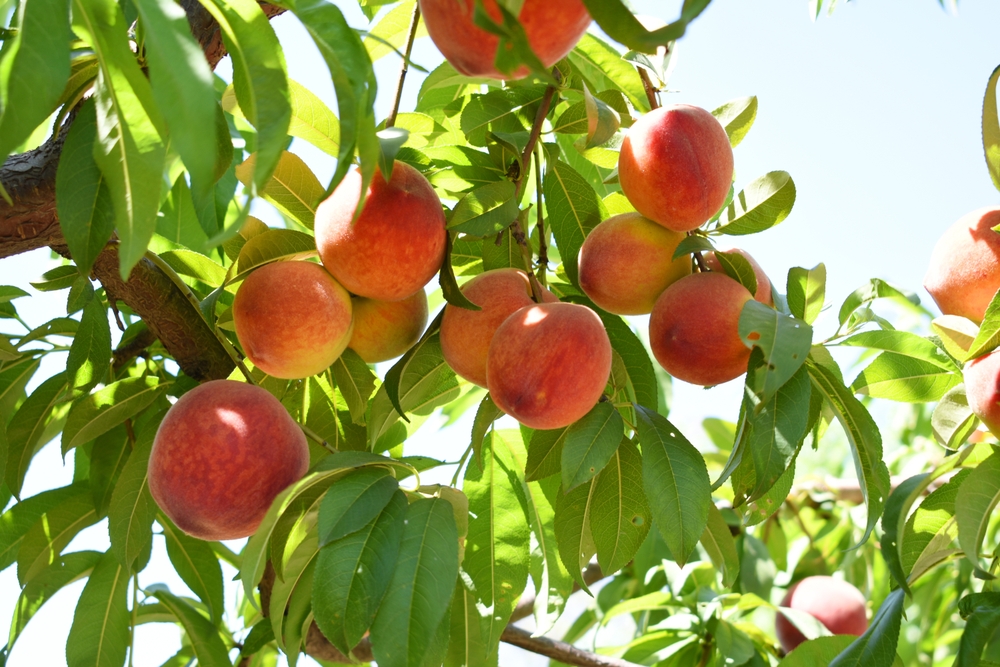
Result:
x=414 y=22
x=558 y=650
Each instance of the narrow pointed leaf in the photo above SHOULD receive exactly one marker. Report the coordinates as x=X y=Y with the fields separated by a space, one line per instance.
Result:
x=877 y=647
x=573 y=209
x=974 y=505
x=574 y=538
x=991 y=129
x=204 y=637
x=25 y=429
x=292 y=188
x=806 y=291
x=762 y=204
x=785 y=342
x=106 y=408
x=89 y=357
x=620 y=518
x=197 y=565
x=132 y=509
x=354 y=502
x=99 y=635
x=44 y=542
x=355 y=381
x=589 y=444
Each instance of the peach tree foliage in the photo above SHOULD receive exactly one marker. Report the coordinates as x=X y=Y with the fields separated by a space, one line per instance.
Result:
x=358 y=555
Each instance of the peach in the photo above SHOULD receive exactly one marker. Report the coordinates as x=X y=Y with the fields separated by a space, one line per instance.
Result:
x=694 y=329
x=395 y=246
x=221 y=455
x=466 y=334
x=763 y=293
x=548 y=364
x=982 y=388
x=964 y=272
x=292 y=319
x=676 y=166
x=553 y=27
x=625 y=263
x=384 y=330
x=835 y=603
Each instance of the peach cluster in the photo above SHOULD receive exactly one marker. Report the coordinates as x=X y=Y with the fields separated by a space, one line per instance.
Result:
x=963 y=277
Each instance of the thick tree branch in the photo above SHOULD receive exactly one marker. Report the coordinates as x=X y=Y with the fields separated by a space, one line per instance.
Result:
x=558 y=650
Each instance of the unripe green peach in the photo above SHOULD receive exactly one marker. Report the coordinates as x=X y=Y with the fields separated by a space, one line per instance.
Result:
x=292 y=319
x=626 y=262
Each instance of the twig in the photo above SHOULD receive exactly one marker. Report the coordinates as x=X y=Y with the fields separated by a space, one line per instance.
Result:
x=557 y=650
x=526 y=606
x=414 y=22
x=543 y=251
x=647 y=85
x=699 y=261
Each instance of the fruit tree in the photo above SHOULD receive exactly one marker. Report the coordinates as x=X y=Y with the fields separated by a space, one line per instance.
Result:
x=538 y=248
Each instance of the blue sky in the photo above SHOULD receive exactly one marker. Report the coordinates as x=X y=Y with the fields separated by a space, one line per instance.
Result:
x=875 y=112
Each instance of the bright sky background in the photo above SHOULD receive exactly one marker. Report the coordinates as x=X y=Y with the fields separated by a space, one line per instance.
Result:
x=875 y=112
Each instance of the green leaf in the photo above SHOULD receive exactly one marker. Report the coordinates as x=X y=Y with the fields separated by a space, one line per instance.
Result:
x=353 y=81
x=449 y=284
x=981 y=612
x=777 y=429
x=101 y=411
x=898 y=377
x=354 y=502
x=545 y=453
x=893 y=524
x=182 y=87
x=930 y=534
x=392 y=30
x=991 y=129
x=496 y=549
x=90 y=354
x=420 y=591
x=25 y=429
x=312 y=120
x=554 y=581
x=259 y=78
x=197 y=565
x=602 y=120
x=83 y=200
x=64 y=571
x=974 y=505
x=390 y=140
x=195 y=265
x=875 y=289
x=19 y=519
x=718 y=542
x=506 y=110
x=737 y=116
x=43 y=543
x=111 y=451
x=99 y=635
x=863 y=436
x=485 y=211
x=295 y=582
x=806 y=291
x=274 y=245
x=760 y=205
x=785 y=342
x=292 y=188
x=58 y=278
x=355 y=381
x=617 y=20
x=816 y=652
x=602 y=64
x=353 y=574
x=467 y=646
x=620 y=519
x=425 y=381
x=737 y=267
x=129 y=149
x=132 y=509
x=573 y=209
x=589 y=444
x=33 y=70
x=877 y=647
x=675 y=479
x=953 y=421
x=204 y=637
x=574 y=537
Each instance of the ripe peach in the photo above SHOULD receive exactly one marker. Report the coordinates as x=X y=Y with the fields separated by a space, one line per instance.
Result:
x=553 y=27
x=292 y=319
x=982 y=388
x=964 y=272
x=676 y=166
x=384 y=330
x=548 y=364
x=763 y=293
x=625 y=263
x=694 y=329
x=466 y=334
x=835 y=603
x=395 y=246
x=221 y=455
